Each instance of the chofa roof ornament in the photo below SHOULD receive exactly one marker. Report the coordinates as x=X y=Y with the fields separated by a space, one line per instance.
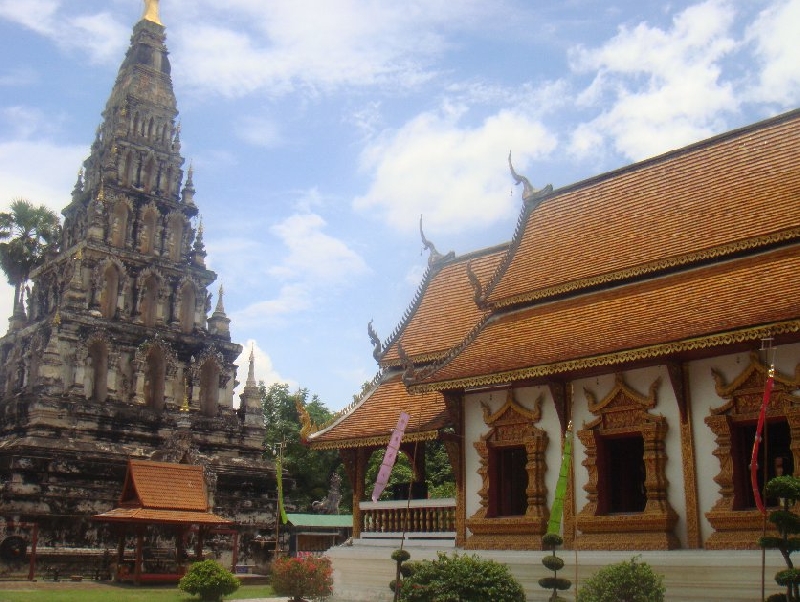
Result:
x=435 y=256
x=530 y=196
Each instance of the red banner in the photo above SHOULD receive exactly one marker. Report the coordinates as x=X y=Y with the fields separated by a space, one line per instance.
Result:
x=762 y=416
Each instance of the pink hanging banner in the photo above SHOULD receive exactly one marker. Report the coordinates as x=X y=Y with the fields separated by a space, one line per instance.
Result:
x=759 y=430
x=390 y=456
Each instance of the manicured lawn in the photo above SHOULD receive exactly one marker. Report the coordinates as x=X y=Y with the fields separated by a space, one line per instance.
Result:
x=21 y=591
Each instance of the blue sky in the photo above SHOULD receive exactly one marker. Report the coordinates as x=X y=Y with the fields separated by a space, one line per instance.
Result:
x=320 y=132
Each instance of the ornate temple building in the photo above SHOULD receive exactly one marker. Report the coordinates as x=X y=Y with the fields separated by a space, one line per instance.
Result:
x=115 y=356
x=644 y=306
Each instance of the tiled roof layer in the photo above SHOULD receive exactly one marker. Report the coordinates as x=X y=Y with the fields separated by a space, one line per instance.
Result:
x=447 y=310
x=757 y=290
x=376 y=417
x=735 y=187
x=166 y=486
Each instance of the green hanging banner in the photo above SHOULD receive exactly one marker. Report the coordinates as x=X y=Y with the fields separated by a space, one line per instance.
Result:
x=279 y=478
x=554 y=524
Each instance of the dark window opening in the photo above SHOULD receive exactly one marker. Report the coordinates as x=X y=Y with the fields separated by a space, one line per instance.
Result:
x=621 y=475
x=509 y=481
x=779 y=461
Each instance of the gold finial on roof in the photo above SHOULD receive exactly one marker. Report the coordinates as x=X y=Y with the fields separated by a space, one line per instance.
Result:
x=151 y=12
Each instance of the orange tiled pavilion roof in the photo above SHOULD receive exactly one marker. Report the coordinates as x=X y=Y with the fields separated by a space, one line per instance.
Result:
x=735 y=191
x=370 y=423
x=163 y=492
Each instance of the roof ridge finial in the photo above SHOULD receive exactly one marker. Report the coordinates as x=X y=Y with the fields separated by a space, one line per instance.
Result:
x=530 y=195
x=435 y=256
x=151 y=12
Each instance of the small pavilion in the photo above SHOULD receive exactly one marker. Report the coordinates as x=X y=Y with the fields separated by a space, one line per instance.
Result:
x=173 y=499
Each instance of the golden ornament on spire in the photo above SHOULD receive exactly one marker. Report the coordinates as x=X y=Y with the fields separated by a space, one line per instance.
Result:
x=151 y=11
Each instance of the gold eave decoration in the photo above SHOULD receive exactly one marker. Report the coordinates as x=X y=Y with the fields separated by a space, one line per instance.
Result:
x=611 y=359
x=379 y=441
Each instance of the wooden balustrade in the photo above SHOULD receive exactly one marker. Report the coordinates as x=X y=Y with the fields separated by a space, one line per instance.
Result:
x=434 y=518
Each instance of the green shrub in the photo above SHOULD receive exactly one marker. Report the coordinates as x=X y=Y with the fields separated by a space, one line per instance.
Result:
x=209 y=580
x=624 y=582
x=301 y=578
x=461 y=578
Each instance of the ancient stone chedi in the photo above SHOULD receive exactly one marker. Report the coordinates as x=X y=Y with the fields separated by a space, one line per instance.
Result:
x=114 y=356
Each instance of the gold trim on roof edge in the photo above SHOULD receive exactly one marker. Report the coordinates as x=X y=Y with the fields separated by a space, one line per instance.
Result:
x=378 y=441
x=608 y=359
x=655 y=266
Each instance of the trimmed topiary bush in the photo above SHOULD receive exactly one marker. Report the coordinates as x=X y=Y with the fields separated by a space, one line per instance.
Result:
x=460 y=577
x=209 y=580
x=555 y=564
x=624 y=582
x=786 y=489
x=303 y=578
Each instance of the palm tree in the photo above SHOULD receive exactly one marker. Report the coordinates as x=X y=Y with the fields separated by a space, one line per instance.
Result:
x=27 y=232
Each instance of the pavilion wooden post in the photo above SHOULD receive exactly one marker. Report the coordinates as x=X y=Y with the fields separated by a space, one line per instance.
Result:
x=198 y=549
x=34 y=541
x=137 y=567
x=180 y=548
x=235 y=560
x=121 y=549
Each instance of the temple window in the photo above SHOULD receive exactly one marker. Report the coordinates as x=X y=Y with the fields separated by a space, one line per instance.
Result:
x=209 y=388
x=187 y=309
x=148 y=231
x=154 y=376
x=513 y=506
x=508 y=495
x=149 y=308
x=625 y=446
x=119 y=225
x=149 y=172
x=110 y=293
x=777 y=440
x=736 y=521
x=622 y=474
x=98 y=372
x=175 y=237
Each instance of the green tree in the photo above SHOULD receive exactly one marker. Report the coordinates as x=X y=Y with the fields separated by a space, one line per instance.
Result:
x=438 y=472
x=310 y=470
x=27 y=234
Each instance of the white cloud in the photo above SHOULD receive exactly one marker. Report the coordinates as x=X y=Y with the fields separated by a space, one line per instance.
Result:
x=285 y=46
x=42 y=172
x=264 y=370
x=292 y=299
x=313 y=255
x=259 y=131
x=99 y=35
x=314 y=261
x=454 y=175
x=662 y=89
x=774 y=35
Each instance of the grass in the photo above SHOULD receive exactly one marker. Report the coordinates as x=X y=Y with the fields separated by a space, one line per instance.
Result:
x=112 y=592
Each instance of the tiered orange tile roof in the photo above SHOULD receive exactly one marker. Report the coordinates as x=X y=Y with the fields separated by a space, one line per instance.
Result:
x=162 y=492
x=734 y=191
x=371 y=422
x=728 y=302
x=446 y=310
